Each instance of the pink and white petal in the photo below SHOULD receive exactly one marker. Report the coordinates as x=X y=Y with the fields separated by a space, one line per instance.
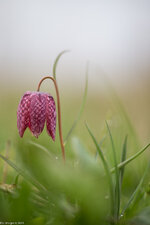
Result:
x=37 y=113
x=23 y=113
x=51 y=116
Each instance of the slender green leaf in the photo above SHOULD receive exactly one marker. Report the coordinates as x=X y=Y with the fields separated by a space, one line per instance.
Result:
x=56 y=62
x=16 y=179
x=100 y=143
x=42 y=148
x=123 y=158
x=117 y=189
x=81 y=109
x=120 y=165
x=137 y=190
x=23 y=174
x=106 y=167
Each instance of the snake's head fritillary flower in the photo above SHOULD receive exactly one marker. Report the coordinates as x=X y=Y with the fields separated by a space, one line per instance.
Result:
x=36 y=108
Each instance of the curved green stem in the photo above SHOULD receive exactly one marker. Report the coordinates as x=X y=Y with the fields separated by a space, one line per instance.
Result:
x=124 y=163
x=56 y=62
x=59 y=111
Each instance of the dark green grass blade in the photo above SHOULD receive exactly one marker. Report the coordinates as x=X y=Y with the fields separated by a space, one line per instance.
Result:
x=117 y=188
x=23 y=174
x=16 y=179
x=130 y=159
x=81 y=109
x=123 y=158
x=137 y=190
x=106 y=167
x=100 y=143
x=56 y=62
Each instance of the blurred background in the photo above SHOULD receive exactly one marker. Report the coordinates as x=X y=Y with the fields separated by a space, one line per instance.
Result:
x=113 y=36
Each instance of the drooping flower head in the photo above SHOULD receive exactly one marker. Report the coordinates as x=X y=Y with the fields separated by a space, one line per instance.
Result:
x=36 y=108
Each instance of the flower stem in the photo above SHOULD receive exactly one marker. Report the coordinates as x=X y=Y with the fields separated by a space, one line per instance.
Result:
x=59 y=112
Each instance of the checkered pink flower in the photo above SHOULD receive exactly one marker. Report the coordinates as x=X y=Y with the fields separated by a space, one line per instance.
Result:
x=34 y=109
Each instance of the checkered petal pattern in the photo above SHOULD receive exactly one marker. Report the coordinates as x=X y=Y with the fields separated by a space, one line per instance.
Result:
x=37 y=113
x=34 y=109
x=23 y=113
x=51 y=116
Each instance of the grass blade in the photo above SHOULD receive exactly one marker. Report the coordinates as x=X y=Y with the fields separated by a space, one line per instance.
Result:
x=81 y=109
x=123 y=158
x=16 y=179
x=117 y=189
x=7 y=151
x=23 y=174
x=100 y=143
x=56 y=62
x=137 y=190
x=120 y=165
x=106 y=167
x=42 y=148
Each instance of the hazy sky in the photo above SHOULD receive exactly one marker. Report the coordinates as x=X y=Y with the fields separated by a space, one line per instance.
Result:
x=113 y=35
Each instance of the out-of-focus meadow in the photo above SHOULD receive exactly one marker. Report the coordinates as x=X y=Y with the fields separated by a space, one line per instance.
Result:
x=48 y=192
